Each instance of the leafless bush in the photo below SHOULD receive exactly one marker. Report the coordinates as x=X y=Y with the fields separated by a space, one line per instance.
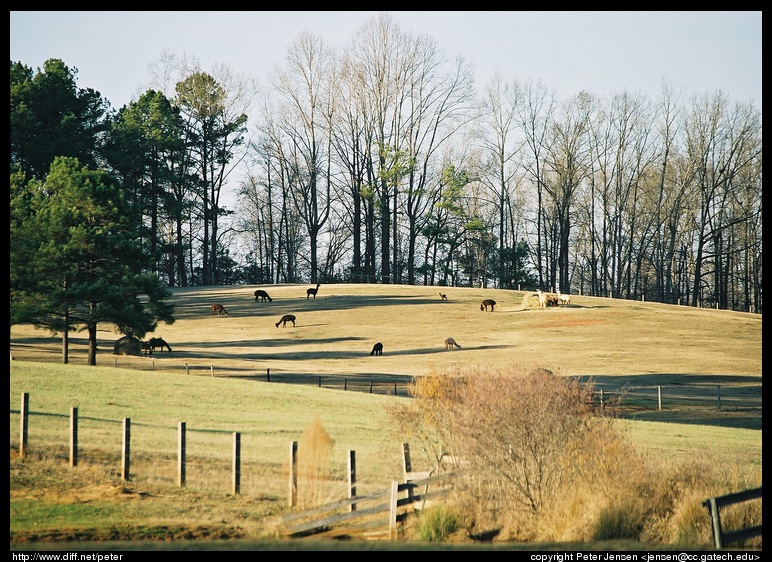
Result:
x=523 y=437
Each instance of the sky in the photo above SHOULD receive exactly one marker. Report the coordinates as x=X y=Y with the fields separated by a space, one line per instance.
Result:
x=601 y=52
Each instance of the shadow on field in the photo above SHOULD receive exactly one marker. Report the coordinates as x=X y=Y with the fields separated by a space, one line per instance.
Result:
x=258 y=349
x=697 y=399
x=440 y=349
x=194 y=308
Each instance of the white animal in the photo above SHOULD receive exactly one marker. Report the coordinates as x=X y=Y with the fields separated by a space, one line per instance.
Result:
x=563 y=299
x=542 y=298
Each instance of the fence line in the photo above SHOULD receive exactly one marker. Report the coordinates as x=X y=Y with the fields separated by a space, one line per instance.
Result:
x=399 y=385
x=412 y=481
x=679 y=394
x=721 y=537
x=371 y=514
x=378 y=511
x=365 y=513
x=746 y=395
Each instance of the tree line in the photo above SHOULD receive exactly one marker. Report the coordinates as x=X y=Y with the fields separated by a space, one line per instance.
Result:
x=381 y=163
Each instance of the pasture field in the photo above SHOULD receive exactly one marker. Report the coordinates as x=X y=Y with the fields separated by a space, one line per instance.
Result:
x=335 y=332
x=591 y=337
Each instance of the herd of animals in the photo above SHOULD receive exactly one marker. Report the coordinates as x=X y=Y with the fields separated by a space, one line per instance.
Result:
x=545 y=300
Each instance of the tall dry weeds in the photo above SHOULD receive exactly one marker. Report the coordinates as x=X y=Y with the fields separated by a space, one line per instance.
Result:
x=315 y=449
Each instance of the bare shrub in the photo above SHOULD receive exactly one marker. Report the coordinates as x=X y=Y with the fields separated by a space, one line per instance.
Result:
x=314 y=455
x=541 y=463
x=523 y=436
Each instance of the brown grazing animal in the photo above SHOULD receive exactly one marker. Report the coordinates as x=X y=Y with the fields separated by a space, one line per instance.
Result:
x=377 y=349
x=486 y=303
x=443 y=297
x=261 y=295
x=218 y=309
x=311 y=291
x=146 y=348
x=450 y=343
x=158 y=342
x=286 y=318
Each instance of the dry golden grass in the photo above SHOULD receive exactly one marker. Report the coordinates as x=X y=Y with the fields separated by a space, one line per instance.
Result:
x=335 y=334
x=592 y=336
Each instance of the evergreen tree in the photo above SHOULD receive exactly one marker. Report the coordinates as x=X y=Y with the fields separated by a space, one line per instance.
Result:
x=84 y=262
x=51 y=116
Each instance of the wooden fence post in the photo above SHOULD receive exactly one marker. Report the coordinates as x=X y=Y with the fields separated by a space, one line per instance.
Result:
x=74 y=436
x=715 y=521
x=407 y=468
x=236 y=463
x=393 y=510
x=268 y=375
x=407 y=465
x=293 y=480
x=659 y=397
x=352 y=478
x=126 y=456
x=24 y=423
x=181 y=455
x=718 y=395
x=721 y=537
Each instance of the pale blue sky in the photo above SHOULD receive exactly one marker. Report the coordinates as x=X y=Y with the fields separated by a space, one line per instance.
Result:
x=601 y=52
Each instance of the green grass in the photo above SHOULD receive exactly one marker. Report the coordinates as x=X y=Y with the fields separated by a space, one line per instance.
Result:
x=720 y=446
x=603 y=337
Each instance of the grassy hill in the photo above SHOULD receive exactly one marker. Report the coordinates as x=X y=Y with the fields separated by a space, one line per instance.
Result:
x=598 y=337
x=335 y=332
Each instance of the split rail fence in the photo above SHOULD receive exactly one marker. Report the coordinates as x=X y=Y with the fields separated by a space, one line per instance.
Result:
x=721 y=538
x=375 y=515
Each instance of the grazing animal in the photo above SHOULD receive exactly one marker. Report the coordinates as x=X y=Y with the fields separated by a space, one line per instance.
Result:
x=443 y=297
x=486 y=303
x=286 y=318
x=450 y=343
x=542 y=298
x=218 y=309
x=377 y=349
x=146 y=348
x=311 y=291
x=552 y=300
x=261 y=295
x=158 y=342
x=563 y=299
